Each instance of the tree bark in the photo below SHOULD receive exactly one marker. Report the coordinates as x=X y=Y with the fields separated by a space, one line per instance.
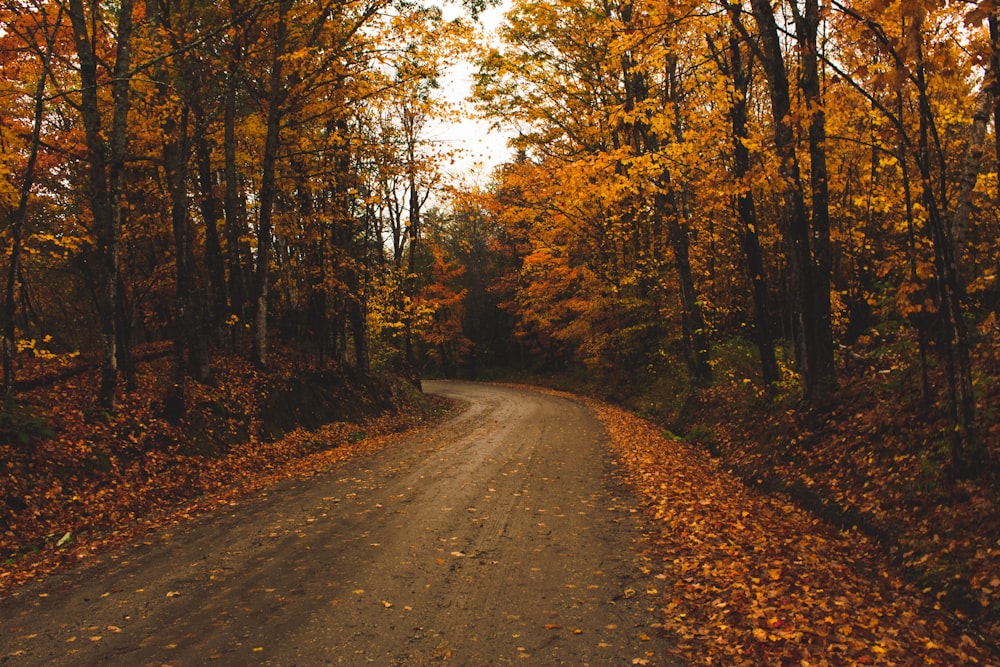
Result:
x=209 y=205
x=818 y=302
x=234 y=207
x=740 y=73
x=19 y=219
x=276 y=96
x=692 y=319
x=994 y=27
x=106 y=171
x=814 y=365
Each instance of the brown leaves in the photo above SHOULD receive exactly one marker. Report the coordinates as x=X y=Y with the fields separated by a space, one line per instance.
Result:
x=755 y=581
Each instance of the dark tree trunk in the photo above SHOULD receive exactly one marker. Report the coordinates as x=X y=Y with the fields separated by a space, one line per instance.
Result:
x=807 y=29
x=810 y=335
x=276 y=96
x=126 y=325
x=994 y=23
x=359 y=332
x=210 y=216
x=175 y=168
x=740 y=73
x=692 y=319
x=234 y=206
x=106 y=171
x=190 y=332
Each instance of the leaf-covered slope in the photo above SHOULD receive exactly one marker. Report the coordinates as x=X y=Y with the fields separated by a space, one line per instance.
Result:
x=752 y=579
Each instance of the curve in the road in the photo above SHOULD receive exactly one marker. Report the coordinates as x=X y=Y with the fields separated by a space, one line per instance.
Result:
x=500 y=537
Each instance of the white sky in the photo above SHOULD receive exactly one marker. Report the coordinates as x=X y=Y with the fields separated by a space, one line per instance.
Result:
x=480 y=149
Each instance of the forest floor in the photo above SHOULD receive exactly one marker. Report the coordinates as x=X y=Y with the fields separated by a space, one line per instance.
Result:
x=876 y=465
x=754 y=579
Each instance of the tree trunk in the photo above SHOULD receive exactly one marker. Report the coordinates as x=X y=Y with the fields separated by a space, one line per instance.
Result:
x=748 y=236
x=106 y=170
x=268 y=187
x=994 y=25
x=818 y=302
x=692 y=319
x=810 y=337
x=210 y=216
x=234 y=207
x=189 y=335
x=17 y=225
x=359 y=332
x=413 y=236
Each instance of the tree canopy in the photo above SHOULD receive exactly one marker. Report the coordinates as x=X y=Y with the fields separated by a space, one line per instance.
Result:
x=810 y=180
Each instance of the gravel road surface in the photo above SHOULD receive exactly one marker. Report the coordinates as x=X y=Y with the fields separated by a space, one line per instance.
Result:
x=499 y=537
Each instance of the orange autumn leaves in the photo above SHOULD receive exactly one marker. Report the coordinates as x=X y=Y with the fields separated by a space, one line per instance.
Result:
x=756 y=581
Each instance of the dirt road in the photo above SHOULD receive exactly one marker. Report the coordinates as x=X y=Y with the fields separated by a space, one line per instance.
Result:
x=500 y=537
